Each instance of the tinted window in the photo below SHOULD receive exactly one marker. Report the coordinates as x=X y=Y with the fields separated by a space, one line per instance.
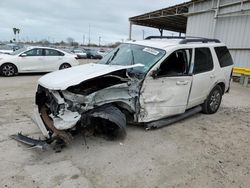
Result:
x=203 y=60
x=224 y=56
x=50 y=52
x=176 y=63
x=34 y=52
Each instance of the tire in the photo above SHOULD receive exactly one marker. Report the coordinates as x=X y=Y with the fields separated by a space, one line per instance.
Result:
x=91 y=57
x=8 y=70
x=213 y=101
x=64 y=66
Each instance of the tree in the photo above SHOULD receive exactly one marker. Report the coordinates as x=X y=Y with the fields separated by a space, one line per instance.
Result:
x=16 y=31
x=70 y=41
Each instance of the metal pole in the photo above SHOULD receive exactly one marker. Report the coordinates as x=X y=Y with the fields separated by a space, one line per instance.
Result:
x=216 y=17
x=130 y=31
x=89 y=34
x=83 y=40
x=100 y=41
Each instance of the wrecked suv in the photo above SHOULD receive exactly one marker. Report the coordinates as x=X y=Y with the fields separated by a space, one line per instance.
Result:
x=153 y=82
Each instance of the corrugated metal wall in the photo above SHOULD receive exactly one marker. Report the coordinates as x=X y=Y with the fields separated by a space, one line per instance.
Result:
x=229 y=26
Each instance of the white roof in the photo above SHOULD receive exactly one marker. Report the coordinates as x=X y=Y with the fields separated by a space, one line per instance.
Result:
x=165 y=44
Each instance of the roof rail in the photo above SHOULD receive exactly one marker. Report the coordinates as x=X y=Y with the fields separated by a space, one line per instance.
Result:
x=164 y=37
x=203 y=40
x=185 y=40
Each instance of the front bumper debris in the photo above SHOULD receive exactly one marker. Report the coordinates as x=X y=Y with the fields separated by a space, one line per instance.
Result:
x=33 y=143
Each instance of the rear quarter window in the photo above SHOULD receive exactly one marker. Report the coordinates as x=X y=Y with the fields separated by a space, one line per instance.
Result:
x=223 y=56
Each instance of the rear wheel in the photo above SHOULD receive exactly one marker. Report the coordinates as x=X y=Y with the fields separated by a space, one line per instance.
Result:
x=64 y=66
x=8 y=69
x=213 y=101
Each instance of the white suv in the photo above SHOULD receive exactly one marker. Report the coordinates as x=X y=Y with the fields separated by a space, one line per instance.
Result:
x=152 y=82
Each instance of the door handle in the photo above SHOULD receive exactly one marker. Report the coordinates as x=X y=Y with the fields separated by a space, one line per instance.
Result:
x=181 y=82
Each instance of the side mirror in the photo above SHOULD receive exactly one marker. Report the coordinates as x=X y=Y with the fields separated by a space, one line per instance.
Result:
x=154 y=73
x=23 y=55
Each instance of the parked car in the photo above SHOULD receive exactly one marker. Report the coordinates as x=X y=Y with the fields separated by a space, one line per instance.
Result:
x=151 y=83
x=102 y=52
x=81 y=54
x=93 y=54
x=35 y=59
x=5 y=49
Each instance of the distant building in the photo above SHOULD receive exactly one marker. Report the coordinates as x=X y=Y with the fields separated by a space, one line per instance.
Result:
x=226 y=20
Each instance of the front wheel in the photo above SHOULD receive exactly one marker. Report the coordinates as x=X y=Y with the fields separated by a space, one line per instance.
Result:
x=64 y=66
x=8 y=69
x=213 y=101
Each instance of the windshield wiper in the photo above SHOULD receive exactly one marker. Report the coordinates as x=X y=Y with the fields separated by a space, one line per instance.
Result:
x=113 y=56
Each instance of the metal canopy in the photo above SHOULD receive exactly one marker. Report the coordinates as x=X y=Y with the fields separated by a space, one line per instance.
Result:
x=173 y=18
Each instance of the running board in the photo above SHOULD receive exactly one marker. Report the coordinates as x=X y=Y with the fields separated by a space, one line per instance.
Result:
x=170 y=120
x=33 y=143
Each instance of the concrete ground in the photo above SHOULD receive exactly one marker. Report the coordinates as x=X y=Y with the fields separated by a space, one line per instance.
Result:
x=202 y=151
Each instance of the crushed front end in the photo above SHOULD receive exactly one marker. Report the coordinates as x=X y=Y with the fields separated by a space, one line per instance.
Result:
x=99 y=106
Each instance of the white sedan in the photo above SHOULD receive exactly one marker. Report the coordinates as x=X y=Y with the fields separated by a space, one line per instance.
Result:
x=35 y=59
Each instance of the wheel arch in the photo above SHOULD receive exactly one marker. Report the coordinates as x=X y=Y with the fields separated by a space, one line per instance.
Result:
x=222 y=86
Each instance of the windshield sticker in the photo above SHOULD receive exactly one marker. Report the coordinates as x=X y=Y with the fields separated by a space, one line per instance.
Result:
x=151 y=51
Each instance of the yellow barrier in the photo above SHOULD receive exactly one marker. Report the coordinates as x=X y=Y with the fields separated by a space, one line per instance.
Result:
x=242 y=71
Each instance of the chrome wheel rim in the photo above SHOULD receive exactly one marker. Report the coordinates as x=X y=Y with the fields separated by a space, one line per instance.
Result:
x=215 y=100
x=8 y=70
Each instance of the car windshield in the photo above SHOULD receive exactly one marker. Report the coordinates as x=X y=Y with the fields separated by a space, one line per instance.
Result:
x=18 y=51
x=130 y=54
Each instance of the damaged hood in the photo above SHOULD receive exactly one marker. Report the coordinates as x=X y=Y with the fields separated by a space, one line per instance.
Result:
x=61 y=80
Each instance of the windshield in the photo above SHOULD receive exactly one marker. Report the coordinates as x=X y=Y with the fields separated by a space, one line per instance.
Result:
x=19 y=51
x=130 y=54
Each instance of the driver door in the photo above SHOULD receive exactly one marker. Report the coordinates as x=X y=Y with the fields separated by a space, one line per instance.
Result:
x=165 y=93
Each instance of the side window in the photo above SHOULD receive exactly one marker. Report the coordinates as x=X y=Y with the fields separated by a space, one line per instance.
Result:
x=224 y=56
x=50 y=52
x=203 y=61
x=34 y=52
x=176 y=63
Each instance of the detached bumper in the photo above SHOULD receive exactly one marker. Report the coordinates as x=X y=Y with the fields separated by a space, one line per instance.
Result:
x=40 y=124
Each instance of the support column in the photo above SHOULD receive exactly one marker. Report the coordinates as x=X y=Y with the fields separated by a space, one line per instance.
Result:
x=130 y=31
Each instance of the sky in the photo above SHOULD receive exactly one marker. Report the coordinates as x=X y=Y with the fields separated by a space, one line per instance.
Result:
x=56 y=20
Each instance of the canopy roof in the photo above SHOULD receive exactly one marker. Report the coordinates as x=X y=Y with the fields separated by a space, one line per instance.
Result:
x=172 y=18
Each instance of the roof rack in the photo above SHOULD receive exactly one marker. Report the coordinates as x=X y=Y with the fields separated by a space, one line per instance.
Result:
x=203 y=40
x=164 y=37
x=185 y=40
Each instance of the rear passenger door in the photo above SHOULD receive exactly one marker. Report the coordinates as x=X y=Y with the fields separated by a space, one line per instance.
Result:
x=53 y=59
x=203 y=76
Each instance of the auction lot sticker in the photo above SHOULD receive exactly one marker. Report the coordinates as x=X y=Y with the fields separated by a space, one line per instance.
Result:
x=151 y=51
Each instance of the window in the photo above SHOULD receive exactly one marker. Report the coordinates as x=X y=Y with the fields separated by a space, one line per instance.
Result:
x=224 y=56
x=203 y=61
x=50 y=52
x=34 y=52
x=176 y=63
